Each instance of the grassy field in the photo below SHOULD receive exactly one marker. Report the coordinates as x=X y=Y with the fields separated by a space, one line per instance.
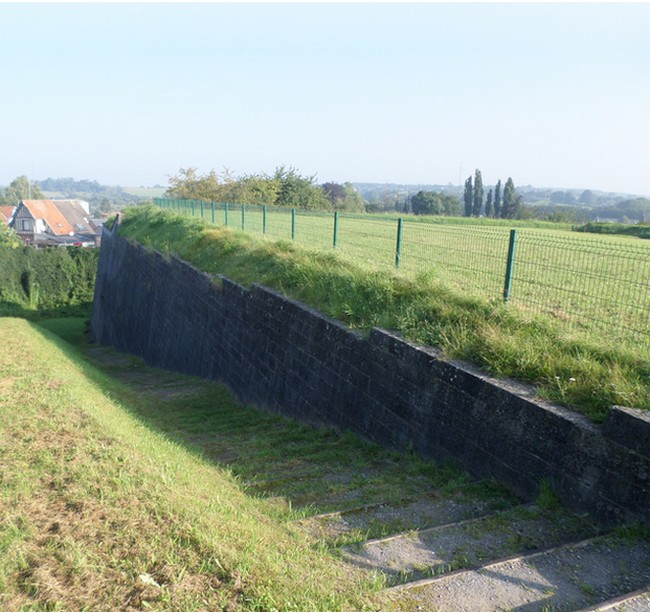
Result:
x=101 y=509
x=587 y=372
x=591 y=282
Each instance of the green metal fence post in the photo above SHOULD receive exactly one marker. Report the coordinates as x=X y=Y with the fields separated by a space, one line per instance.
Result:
x=264 y=220
x=192 y=203
x=212 y=206
x=398 y=246
x=201 y=209
x=293 y=224
x=225 y=211
x=510 y=264
x=336 y=229
x=243 y=217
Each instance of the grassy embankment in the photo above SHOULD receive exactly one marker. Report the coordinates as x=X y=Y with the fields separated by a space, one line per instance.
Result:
x=583 y=280
x=100 y=510
x=582 y=372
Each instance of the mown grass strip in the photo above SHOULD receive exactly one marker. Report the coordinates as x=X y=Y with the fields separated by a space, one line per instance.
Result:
x=582 y=371
x=101 y=510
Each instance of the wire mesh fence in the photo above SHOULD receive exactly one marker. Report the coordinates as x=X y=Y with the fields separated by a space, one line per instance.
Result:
x=587 y=281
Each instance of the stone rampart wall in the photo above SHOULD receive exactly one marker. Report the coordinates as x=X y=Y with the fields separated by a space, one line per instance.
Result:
x=279 y=354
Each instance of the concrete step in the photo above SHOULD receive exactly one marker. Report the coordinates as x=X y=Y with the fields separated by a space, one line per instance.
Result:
x=569 y=577
x=637 y=601
x=470 y=543
x=441 y=507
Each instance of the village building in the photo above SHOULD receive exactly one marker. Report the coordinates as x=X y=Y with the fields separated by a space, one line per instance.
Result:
x=43 y=223
x=6 y=213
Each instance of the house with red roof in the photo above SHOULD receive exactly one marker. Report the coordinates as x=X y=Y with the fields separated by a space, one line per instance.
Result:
x=55 y=223
x=6 y=213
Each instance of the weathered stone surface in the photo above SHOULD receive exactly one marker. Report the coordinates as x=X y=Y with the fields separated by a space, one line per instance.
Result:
x=280 y=354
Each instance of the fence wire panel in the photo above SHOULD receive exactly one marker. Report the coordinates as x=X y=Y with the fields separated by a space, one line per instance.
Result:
x=589 y=282
x=472 y=259
x=278 y=223
x=315 y=230
x=601 y=282
x=369 y=242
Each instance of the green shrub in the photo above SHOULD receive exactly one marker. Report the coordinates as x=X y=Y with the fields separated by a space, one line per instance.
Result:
x=46 y=279
x=624 y=229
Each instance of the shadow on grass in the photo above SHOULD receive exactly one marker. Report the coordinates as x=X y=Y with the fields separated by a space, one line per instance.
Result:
x=22 y=311
x=307 y=469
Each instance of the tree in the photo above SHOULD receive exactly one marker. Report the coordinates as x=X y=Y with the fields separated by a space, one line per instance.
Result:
x=511 y=201
x=468 y=197
x=478 y=194
x=488 y=204
x=451 y=204
x=586 y=197
x=518 y=209
x=21 y=189
x=427 y=203
x=334 y=191
x=297 y=191
x=254 y=189
x=433 y=203
x=8 y=237
x=188 y=185
x=343 y=197
x=497 y=199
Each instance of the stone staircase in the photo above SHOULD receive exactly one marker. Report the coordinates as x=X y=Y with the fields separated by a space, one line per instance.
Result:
x=468 y=556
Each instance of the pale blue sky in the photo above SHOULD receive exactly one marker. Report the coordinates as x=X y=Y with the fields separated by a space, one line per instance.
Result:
x=554 y=95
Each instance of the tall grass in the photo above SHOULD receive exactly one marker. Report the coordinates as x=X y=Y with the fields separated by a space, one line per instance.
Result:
x=583 y=372
x=586 y=281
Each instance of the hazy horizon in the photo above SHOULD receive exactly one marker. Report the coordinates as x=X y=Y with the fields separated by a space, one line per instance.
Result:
x=553 y=95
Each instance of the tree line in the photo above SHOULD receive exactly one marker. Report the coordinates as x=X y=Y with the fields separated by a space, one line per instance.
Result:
x=285 y=187
x=499 y=203
x=506 y=205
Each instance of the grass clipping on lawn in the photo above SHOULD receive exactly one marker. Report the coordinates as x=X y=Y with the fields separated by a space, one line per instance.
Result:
x=577 y=369
x=100 y=511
